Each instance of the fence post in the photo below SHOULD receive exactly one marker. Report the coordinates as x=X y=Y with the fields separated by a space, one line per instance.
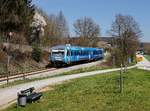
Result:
x=23 y=73
x=126 y=68
x=8 y=77
x=121 y=80
x=8 y=71
x=24 y=76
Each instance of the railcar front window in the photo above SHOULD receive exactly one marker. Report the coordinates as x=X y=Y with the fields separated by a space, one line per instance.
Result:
x=58 y=53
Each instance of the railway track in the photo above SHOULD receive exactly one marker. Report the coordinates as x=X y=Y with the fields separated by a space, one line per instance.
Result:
x=44 y=73
x=23 y=75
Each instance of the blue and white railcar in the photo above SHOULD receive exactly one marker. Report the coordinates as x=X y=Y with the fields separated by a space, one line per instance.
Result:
x=67 y=54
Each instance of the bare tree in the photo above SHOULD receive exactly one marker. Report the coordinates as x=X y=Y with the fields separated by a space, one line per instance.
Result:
x=127 y=33
x=53 y=29
x=146 y=47
x=87 y=30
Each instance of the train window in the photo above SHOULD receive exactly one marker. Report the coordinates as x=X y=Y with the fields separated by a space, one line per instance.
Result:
x=72 y=53
x=84 y=52
x=58 y=53
x=76 y=53
x=79 y=52
x=87 y=53
x=100 y=52
x=95 y=52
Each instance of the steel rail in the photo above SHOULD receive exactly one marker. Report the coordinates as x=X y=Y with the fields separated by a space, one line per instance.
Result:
x=22 y=75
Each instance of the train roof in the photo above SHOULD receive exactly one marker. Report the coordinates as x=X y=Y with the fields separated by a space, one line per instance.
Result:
x=73 y=47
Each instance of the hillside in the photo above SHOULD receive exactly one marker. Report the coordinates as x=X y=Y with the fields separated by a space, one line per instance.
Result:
x=21 y=60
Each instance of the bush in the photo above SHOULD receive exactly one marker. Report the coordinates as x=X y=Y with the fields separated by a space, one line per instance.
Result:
x=2 y=55
x=36 y=53
x=17 y=55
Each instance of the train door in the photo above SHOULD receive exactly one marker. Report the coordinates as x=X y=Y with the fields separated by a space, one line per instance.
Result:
x=68 y=56
x=76 y=55
x=73 y=55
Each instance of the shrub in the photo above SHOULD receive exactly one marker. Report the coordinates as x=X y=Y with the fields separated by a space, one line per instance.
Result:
x=2 y=55
x=36 y=53
x=17 y=55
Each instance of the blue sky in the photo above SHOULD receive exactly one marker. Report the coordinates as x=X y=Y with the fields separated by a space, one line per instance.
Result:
x=101 y=11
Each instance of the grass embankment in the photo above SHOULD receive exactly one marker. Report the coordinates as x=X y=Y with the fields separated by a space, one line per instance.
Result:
x=147 y=57
x=87 y=69
x=97 y=93
x=81 y=70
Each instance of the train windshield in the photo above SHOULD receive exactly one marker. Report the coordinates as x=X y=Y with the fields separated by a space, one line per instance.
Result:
x=58 y=53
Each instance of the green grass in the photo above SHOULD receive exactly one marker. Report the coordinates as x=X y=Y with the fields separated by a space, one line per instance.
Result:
x=147 y=57
x=97 y=93
x=93 y=68
x=88 y=69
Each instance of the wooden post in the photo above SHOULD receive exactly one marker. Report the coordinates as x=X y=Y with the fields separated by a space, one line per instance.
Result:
x=8 y=77
x=23 y=73
x=126 y=68
x=113 y=61
x=8 y=72
x=24 y=76
x=121 y=80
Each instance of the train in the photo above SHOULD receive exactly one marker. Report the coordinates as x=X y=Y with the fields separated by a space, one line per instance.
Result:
x=68 y=54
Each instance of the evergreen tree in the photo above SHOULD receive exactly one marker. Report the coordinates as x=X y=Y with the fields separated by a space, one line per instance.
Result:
x=15 y=15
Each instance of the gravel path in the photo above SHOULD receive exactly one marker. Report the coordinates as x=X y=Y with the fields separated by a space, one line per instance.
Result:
x=10 y=94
